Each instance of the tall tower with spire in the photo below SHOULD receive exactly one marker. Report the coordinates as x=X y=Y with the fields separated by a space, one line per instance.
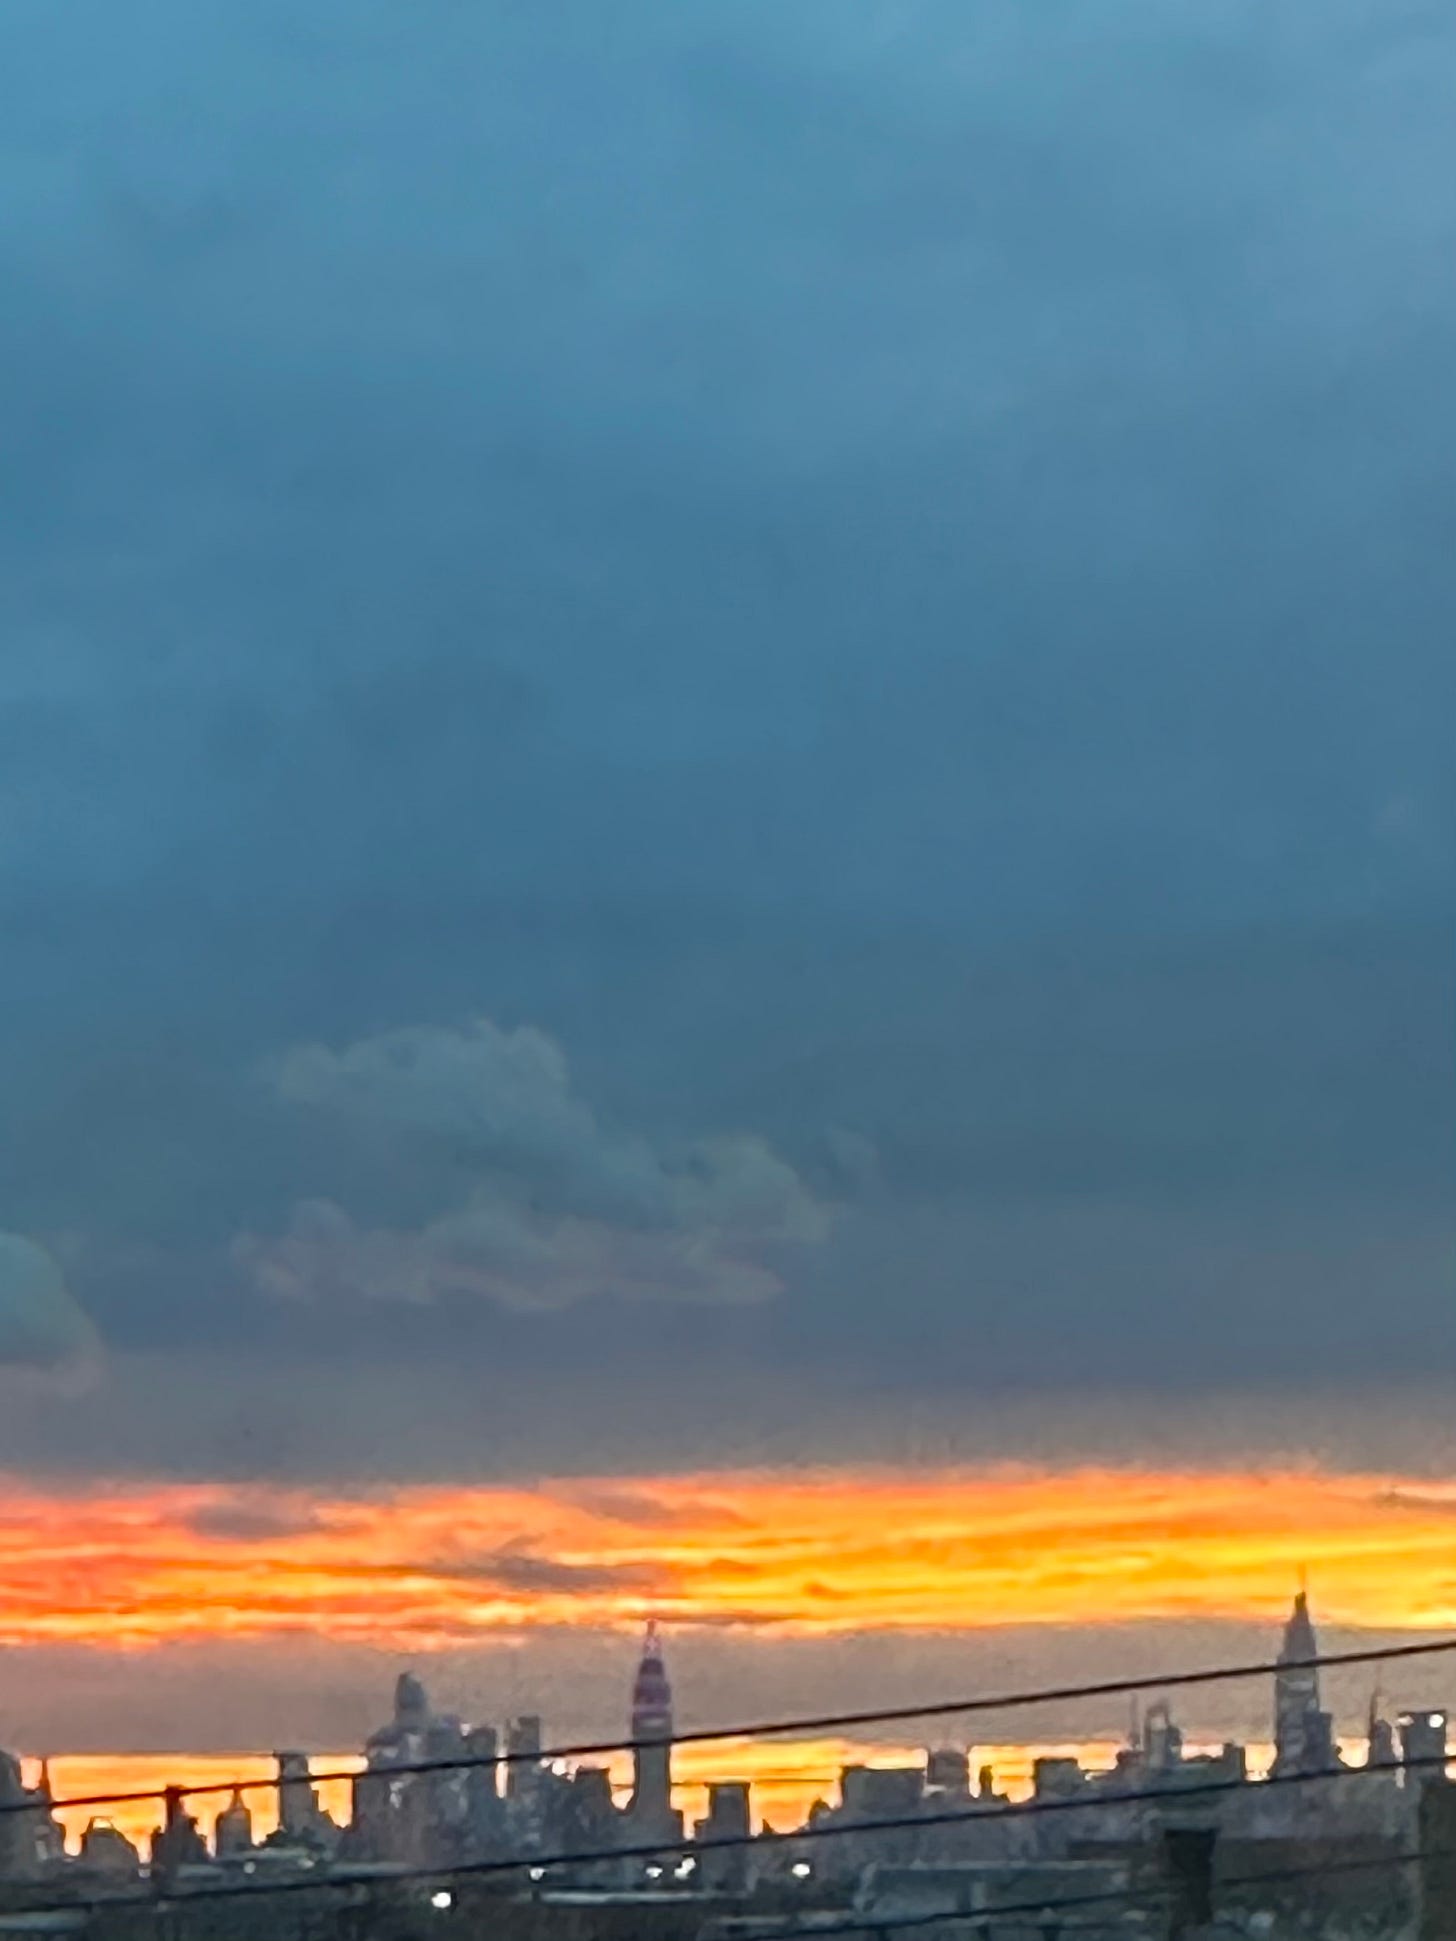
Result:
x=1304 y=1737
x=651 y=1807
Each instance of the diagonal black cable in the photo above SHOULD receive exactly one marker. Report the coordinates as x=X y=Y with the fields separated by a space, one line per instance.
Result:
x=809 y=1929
x=868 y=1922
x=769 y=1728
x=537 y=1866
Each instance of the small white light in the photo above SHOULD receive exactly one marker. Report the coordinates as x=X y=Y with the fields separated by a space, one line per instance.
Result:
x=654 y=1873
x=443 y=1899
x=1438 y=1718
x=536 y=1873
x=801 y=1870
x=685 y=1867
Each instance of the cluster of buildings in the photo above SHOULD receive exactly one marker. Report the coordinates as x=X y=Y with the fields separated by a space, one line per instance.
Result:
x=434 y=1792
x=437 y=1793
x=435 y=1789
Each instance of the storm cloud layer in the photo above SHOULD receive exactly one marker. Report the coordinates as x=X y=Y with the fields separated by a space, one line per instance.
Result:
x=557 y=1209
x=723 y=720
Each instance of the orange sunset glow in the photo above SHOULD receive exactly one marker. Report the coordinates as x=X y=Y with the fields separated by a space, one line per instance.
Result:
x=787 y=1776
x=803 y=1554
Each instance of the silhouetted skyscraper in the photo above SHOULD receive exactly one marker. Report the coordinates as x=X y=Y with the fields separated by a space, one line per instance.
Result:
x=107 y=1849
x=948 y=1770
x=176 y=1843
x=411 y=1703
x=651 y=1807
x=300 y=1817
x=1380 y=1749
x=484 y=1812
x=1304 y=1739
x=523 y=1757
x=729 y=1819
x=233 y=1831
x=1162 y=1739
x=29 y=1835
x=1422 y=1745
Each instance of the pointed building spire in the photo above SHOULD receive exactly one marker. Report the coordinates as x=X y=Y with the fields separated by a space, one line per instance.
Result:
x=1380 y=1747
x=1299 y=1640
x=651 y=1692
x=652 y=1741
x=1303 y=1730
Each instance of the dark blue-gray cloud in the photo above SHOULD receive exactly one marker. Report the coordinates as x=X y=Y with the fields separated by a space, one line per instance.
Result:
x=539 y=1205
x=881 y=576
x=43 y=1332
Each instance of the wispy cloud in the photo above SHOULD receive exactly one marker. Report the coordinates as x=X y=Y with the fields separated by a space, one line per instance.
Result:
x=802 y=1554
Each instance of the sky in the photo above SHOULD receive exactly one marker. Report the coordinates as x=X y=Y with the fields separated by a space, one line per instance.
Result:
x=723 y=753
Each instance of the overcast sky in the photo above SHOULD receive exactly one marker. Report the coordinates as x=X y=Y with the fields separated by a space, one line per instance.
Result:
x=724 y=730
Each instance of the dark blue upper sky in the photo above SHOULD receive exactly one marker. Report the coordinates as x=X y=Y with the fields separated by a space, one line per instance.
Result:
x=744 y=698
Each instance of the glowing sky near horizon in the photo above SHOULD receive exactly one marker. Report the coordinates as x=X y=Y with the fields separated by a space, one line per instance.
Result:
x=786 y=1775
x=803 y=1554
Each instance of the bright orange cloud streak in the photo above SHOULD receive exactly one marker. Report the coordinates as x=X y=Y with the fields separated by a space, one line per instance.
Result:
x=798 y=1554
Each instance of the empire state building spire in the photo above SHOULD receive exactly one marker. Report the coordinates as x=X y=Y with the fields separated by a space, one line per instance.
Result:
x=652 y=1744
x=651 y=1692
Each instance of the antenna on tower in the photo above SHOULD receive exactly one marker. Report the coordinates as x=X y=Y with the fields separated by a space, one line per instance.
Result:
x=1377 y=1693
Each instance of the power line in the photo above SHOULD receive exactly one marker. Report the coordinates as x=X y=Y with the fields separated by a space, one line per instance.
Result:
x=781 y=1727
x=806 y=1930
x=909 y=1822
x=888 y=1924
x=537 y=1866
